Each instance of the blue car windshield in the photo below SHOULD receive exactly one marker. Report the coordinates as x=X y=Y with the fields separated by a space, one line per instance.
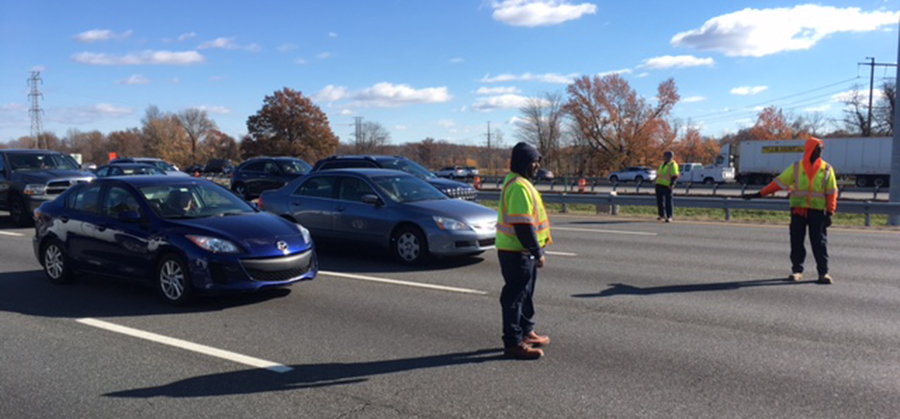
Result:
x=193 y=201
x=37 y=161
x=407 y=166
x=405 y=188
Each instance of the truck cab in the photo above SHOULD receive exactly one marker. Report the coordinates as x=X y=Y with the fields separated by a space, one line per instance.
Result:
x=28 y=178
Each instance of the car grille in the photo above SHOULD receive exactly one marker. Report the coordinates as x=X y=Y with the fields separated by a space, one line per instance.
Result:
x=59 y=186
x=467 y=194
x=279 y=269
x=486 y=242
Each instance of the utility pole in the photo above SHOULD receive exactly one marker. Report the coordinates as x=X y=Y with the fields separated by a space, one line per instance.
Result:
x=895 y=156
x=358 y=120
x=872 y=64
x=36 y=112
x=489 y=136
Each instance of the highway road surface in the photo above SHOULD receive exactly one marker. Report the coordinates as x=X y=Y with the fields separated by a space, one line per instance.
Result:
x=646 y=320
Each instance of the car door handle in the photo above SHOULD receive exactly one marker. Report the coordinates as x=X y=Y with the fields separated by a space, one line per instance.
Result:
x=102 y=227
x=295 y=203
x=340 y=209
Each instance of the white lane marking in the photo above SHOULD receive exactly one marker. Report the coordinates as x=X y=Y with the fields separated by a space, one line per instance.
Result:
x=592 y=230
x=405 y=283
x=561 y=253
x=190 y=346
x=6 y=233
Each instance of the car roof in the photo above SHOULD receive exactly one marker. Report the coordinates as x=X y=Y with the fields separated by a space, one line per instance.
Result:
x=131 y=165
x=155 y=180
x=30 y=151
x=364 y=172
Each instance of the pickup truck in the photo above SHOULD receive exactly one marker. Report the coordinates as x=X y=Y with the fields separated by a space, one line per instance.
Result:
x=696 y=173
x=28 y=178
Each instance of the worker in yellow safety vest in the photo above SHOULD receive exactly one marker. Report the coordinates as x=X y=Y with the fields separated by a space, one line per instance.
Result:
x=665 y=180
x=523 y=230
x=813 y=187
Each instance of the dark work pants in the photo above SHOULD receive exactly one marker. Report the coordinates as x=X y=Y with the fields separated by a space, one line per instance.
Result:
x=664 y=201
x=818 y=237
x=517 y=298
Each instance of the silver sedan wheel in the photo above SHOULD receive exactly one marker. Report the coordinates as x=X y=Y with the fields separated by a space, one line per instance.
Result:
x=53 y=261
x=171 y=280
x=408 y=246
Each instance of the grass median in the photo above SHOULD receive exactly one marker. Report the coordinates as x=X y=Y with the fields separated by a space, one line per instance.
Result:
x=708 y=214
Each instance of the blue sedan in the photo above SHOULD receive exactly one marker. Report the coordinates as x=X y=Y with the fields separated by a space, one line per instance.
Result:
x=184 y=235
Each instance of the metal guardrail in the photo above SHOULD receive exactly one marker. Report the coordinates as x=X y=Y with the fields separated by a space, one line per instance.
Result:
x=611 y=202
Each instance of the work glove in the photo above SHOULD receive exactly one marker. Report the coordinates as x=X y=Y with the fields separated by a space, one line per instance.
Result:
x=749 y=196
x=828 y=219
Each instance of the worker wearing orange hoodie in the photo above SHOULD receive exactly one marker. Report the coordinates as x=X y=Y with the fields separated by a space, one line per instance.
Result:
x=813 y=188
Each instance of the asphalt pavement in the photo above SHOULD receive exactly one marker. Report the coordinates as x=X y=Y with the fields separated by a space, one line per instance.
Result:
x=646 y=319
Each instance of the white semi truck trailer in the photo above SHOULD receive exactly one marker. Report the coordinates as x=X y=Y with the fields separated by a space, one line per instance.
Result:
x=866 y=160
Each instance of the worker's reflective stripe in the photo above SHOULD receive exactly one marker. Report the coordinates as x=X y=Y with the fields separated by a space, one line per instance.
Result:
x=831 y=192
x=506 y=229
x=519 y=219
x=781 y=184
x=826 y=177
x=797 y=176
x=805 y=194
x=506 y=232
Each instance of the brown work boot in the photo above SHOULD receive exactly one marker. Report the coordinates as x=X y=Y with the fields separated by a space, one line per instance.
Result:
x=536 y=340
x=522 y=351
x=796 y=276
x=826 y=279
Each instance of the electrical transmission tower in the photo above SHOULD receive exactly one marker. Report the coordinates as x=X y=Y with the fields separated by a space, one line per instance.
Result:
x=358 y=133
x=36 y=112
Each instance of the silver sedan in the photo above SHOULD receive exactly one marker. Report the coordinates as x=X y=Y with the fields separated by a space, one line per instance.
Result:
x=384 y=208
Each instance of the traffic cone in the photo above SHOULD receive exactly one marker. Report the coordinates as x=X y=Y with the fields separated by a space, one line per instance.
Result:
x=477 y=182
x=581 y=185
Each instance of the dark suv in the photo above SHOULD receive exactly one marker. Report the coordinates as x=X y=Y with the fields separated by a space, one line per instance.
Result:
x=28 y=178
x=451 y=188
x=218 y=166
x=260 y=174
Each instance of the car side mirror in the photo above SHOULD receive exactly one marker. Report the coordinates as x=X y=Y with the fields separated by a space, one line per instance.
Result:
x=371 y=200
x=130 y=216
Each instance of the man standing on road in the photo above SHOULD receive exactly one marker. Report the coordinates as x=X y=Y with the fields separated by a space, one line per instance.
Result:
x=813 y=186
x=665 y=180
x=523 y=230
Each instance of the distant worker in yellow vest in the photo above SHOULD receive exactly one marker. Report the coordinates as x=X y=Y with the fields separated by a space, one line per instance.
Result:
x=813 y=186
x=523 y=230
x=665 y=180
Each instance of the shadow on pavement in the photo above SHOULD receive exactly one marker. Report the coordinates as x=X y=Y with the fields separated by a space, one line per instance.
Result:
x=303 y=376
x=31 y=293
x=333 y=257
x=623 y=289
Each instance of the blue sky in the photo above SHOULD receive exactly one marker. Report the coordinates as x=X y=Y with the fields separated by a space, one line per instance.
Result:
x=429 y=68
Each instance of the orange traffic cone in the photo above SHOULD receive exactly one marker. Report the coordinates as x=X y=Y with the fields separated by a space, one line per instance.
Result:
x=477 y=182
x=581 y=185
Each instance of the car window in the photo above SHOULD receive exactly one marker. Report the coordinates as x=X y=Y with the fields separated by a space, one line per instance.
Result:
x=38 y=161
x=116 y=171
x=271 y=168
x=119 y=200
x=2 y=164
x=405 y=188
x=258 y=166
x=103 y=172
x=294 y=167
x=198 y=200
x=406 y=166
x=353 y=189
x=86 y=199
x=319 y=187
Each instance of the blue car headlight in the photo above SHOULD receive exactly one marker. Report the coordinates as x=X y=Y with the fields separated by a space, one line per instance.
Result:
x=306 y=237
x=213 y=244
x=450 y=224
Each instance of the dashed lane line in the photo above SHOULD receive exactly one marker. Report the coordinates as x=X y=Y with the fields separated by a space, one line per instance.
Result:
x=594 y=230
x=7 y=233
x=403 y=283
x=190 y=346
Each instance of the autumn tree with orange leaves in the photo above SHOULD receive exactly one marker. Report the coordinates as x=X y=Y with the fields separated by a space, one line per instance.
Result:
x=693 y=148
x=289 y=124
x=619 y=125
x=771 y=124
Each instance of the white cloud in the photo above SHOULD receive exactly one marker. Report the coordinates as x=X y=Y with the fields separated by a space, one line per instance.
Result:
x=219 y=110
x=515 y=121
x=38 y=68
x=676 y=61
x=331 y=93
x=487 y=104
x=388 y=95
x=531 y=13
x=181 y=38
x=324 y=55
x=135 y=79
x=98 y=35
x=147 y=57
x=542 y=78
x=861 y=96
x=497 y=90
x=620 y=72
x=822 y=108
x=229 y=44
x=693 y=99
x=457 y=60
x=77 y=115
x=446 y=123
x=332 y=34
x=642 y=75
x=759 y=32
x=748 y=90
x=346 y=112
x=400 y=127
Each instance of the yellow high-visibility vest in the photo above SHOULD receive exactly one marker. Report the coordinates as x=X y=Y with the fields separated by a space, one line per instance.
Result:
x=666 y=172
x=806 y=194
x=520 y=203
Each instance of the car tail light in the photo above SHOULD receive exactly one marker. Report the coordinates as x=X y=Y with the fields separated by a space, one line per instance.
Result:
x=259 y=203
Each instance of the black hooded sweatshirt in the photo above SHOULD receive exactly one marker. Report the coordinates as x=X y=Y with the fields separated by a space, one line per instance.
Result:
x=523 y=155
